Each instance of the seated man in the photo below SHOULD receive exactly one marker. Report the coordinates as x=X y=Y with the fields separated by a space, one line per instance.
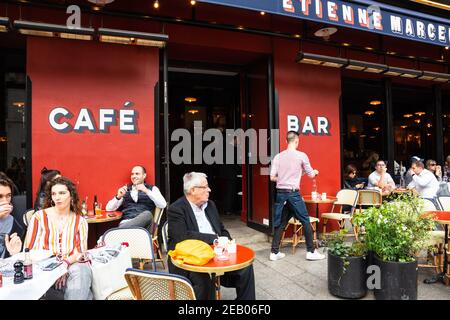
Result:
x=424 y=181
x=381 y=179
x=10 y=230
x=193 y=216
x=137 y=200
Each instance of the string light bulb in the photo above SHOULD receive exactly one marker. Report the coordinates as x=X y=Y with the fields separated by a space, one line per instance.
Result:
x=156 y=4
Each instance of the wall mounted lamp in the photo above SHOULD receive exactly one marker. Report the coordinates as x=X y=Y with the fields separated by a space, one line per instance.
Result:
x=132 y=37
x=53 y=30
x=4 y=24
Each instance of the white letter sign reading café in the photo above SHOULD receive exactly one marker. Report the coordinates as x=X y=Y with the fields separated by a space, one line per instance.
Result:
x=358 y=14
x=126 y=119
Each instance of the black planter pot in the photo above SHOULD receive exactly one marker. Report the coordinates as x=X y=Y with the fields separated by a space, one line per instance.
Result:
x=350 y=284
x=398 y=280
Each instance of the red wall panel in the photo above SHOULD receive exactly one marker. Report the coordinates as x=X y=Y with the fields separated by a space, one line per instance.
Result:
x=78 y=74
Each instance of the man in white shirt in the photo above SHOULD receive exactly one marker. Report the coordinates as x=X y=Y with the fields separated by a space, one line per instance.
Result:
x=381 y=179
x=137 y=200
x=423 y=180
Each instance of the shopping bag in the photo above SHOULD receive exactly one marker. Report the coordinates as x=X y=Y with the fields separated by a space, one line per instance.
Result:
x=108 y=270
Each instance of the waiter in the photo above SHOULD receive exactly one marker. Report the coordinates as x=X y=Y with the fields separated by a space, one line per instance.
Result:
x=286 y=170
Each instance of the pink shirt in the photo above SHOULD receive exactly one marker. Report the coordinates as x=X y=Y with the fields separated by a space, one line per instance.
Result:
x=288 y=167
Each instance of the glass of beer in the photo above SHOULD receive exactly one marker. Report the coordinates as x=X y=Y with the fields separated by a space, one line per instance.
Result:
x=98 y=210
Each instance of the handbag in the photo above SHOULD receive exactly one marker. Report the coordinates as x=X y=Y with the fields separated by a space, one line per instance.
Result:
x=108 y=270
x=195 y=252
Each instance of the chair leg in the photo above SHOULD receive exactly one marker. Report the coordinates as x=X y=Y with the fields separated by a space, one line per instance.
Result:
x=325 y=221
x=295 y=239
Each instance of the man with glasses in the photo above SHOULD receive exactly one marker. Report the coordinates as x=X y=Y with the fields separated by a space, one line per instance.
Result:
x=10 y=230
x=434 y=168
x=381 y=179
x=194 y=216
x=137 y=200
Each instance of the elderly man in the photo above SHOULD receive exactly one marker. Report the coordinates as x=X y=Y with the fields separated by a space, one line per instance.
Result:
x=137 y=200
x=380 y=178
x=194 y=216
x=424 y=181
x=10 y=230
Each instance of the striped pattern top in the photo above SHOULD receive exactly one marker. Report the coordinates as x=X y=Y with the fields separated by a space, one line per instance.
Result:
x=43 y=235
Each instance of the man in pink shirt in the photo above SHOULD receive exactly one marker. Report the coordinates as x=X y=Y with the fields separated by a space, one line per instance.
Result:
x=286 y=170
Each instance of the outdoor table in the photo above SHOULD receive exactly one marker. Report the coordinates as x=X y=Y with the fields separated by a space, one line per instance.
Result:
x=243 y=258
x=31 y=289
x=317 y=201
x=442 y=217
x=97 y=226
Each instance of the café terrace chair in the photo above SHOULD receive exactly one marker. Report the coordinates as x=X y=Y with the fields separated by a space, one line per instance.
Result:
x=147 y=285
x=165 y=236
x=297 y=231
x=27 y=217
x=157 y=216
x=444 y=201
x=345 y=197
x=436 y=240
x=367 y=198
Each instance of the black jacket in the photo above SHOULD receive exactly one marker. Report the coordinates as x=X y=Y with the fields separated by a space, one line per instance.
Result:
x=183 y=225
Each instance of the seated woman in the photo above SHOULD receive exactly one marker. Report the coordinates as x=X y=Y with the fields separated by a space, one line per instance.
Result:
x=60 y=227
x=350 y=179
x=432 y=166
x=47 y=175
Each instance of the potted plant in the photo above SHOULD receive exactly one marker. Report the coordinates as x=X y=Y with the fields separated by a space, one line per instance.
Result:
x=395 y=232
x=347 y=264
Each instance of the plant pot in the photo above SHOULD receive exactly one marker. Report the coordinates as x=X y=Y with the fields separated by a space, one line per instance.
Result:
x=398 y=280
x=350 y=284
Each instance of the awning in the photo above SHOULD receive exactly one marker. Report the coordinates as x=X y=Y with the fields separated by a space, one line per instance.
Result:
x=363 y=15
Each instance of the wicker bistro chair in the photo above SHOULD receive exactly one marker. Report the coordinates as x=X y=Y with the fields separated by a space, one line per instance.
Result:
x=444 y=201
x=157 y=216
x=146 y=285
x=345 y=197
x=165 y=236
x=369 y=198
x=139 y=241
x=297 y=229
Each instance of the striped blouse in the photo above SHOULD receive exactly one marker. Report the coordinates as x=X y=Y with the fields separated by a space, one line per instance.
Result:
x=43 y=235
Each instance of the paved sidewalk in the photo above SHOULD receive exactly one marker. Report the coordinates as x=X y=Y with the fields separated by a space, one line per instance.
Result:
x=295 y=278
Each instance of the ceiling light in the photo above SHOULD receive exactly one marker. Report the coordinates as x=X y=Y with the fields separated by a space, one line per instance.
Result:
x=133 y=37
x=262 y=13
x=419 y=113
x=325 y=33
x=297 y=36
x=4 y=24
x=156 y=4
x=417 y=121
x=18 y=104
x=402 y=72
x=403 y=127
x=101 y=2
x=317 y=59
x=193 y=2
x=362 y=136
x=190 y=99
x=366 y=66
x=376 y=128
x=345 y=44
x=408 y=115
x=369 y=112
x=435 y=76
x=368 y=48
x=53 y=30
x=429 y=125
x=447 y=47
x=375 y=102
x=193 y=111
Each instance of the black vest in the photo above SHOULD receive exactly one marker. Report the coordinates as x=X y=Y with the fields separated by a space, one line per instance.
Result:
x=131 y=209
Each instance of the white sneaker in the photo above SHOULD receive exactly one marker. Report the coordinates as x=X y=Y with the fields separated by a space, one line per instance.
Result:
x=276 y=256
x=314 y=255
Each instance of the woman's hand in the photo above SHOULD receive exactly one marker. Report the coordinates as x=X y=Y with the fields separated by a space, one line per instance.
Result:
x=13 y=244
x=61 y=282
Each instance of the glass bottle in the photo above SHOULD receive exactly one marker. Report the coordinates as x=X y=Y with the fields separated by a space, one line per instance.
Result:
x=314 y=190
x=95 y=203
x=27 y=265
x=84 y=209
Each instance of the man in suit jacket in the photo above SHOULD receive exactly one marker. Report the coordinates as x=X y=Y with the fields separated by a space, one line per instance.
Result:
x=193 y=216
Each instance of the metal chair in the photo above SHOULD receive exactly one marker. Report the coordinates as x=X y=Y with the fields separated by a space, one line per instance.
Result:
x=139 y=241
x=147 y=285
x=369 y=198
x=444 y=201
x=345 y=197
x=157 y=215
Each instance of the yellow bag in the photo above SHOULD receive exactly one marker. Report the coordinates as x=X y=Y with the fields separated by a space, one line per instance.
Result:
x=195 y=252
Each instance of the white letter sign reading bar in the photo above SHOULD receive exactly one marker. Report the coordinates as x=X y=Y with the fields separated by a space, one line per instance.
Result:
x=321 y=127
x=85 y=121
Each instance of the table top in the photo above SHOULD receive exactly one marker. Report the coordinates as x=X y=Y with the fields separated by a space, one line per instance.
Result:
x=243 y=257
x=442 y=217
x=105 y=217
x=329 y=199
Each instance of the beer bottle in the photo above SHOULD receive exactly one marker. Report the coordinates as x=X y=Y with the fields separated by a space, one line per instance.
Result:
x=95 y=202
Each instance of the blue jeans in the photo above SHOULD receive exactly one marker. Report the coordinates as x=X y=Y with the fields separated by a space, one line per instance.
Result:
x=297 y=208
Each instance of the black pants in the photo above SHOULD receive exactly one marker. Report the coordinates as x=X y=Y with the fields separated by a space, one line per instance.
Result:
x=243 y=280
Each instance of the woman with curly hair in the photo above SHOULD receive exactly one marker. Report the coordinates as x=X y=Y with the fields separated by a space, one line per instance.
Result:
x=59 y=227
